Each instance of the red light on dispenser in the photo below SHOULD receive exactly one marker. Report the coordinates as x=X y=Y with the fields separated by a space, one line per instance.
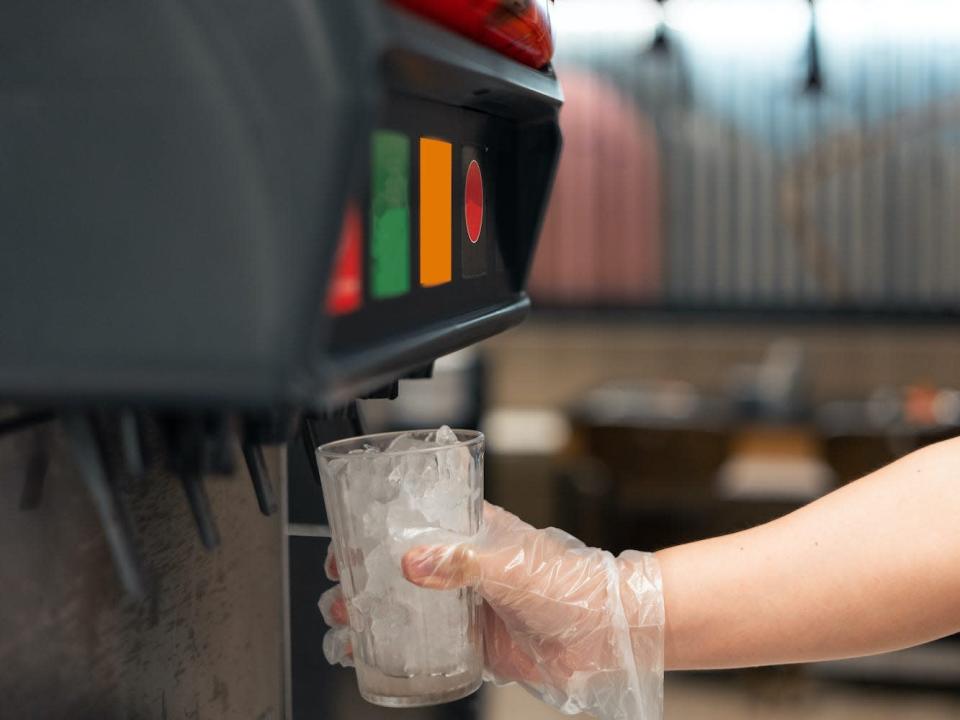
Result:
x=345 y=294
x=520 y=30
x=473 y=229
x=473 y=201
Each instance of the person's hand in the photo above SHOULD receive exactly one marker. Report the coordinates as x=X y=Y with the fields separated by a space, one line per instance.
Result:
x=337 y=648
x=577 y=627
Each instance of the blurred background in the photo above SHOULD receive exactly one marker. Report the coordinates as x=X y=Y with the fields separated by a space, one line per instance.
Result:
x=746 y=294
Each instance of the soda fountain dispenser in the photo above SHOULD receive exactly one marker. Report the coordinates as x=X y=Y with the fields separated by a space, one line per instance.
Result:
x=221 y=224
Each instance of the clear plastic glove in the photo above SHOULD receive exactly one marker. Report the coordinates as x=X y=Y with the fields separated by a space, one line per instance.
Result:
x=579 y=628
x=337 y=648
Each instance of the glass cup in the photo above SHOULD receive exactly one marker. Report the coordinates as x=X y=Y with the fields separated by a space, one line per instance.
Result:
x=385 y=494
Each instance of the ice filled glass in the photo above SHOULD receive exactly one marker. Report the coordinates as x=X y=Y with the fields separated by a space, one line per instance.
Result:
x=385 y=494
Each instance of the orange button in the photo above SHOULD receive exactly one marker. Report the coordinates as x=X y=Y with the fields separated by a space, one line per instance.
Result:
x=436 y=212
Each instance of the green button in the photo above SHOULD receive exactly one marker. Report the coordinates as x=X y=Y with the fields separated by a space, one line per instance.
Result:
x=389 y=214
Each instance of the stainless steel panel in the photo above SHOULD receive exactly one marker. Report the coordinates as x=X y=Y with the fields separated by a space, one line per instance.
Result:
x=207 y=643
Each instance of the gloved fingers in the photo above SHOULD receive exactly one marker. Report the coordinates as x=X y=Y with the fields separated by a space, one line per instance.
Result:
x=441 y=567
x=337 y=648
x=330 y=564
x=445 y=567
x=537 y=583
x=501 y=574
x=505 y=660
x=333 y=607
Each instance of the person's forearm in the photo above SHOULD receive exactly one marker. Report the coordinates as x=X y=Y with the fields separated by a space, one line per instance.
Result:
x=874 y=566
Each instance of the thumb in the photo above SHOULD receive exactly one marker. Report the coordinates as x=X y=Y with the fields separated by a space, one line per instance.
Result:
x=441 y=567
x=483 y=561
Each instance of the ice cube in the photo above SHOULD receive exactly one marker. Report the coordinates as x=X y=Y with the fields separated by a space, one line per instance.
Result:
x=453 y=466
x=394 y=637
x=385 y=483
x=374 y=519
x=368 y=479
x=359 y=611
x=436 y=640
x=445 y=503
x=446 y=436
x=382 y=570
x=334 y=466
x=401 y=517
x=367 y=449
x=407 y=442
x=420 y=474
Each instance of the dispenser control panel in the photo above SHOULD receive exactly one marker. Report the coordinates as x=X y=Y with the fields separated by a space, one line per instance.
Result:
x=420 y=240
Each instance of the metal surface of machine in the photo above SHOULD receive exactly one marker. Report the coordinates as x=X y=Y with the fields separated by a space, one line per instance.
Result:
x=221 y=223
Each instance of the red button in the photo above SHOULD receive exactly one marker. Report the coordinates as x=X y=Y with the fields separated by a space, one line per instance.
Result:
x=345 y=294
x=473 y=201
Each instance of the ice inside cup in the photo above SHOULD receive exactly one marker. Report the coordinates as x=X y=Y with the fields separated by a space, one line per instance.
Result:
x=384 y=495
